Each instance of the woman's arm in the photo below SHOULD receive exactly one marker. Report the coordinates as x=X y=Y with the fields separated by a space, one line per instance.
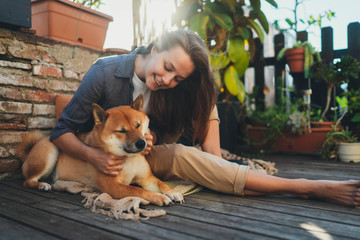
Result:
x=212 y=139
x=104 y=162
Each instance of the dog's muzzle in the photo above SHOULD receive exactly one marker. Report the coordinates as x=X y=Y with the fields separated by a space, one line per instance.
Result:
x=136 y=147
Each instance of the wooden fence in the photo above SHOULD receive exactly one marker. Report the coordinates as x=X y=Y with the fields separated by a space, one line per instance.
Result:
x=327 y=53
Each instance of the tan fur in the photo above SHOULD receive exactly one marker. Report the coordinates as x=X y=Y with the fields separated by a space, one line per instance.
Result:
x=108 y=134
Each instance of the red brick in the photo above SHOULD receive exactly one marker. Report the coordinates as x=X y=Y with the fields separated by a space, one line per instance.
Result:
x=15 y=64
x=9 y=165
x=12 y=126
x=10 y=93
x=70 y=74
x=22 y=50
x=12 y=118
x=39 y=96
x=7 y=151
x=44 y=109
x=50 y=71
x=2 y=48
x=10 y=137
x=15 y=80
x=15 y=107
x=45 y=56
x=39 y=122
x=63 y=86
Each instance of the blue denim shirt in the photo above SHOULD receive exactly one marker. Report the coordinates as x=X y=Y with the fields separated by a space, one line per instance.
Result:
x=108 y=83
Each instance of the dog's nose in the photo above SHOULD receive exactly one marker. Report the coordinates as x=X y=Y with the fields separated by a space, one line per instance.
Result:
x=140 y=144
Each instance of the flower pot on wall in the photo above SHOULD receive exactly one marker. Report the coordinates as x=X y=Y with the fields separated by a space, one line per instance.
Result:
x=69 y=22
x=295 y=58
x=349 y=152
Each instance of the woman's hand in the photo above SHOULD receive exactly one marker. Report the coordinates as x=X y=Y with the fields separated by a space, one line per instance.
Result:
x=149 y=143
x=106 y=163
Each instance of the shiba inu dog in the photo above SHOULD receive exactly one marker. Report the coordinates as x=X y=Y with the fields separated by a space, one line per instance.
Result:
x=119 y=131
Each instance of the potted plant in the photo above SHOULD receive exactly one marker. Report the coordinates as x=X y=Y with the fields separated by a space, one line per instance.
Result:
x=335 y=74
x=353 y=105
x=301 y=55
x=341 y=145
x=71 y=21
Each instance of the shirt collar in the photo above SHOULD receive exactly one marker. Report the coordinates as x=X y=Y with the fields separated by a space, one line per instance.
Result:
x=127 y=65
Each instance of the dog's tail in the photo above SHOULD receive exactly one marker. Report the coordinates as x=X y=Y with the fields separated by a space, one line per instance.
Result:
x=27 y=143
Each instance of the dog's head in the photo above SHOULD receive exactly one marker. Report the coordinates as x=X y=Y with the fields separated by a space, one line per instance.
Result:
x=121 y=130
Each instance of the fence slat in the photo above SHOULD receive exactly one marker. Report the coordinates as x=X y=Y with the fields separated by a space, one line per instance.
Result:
x=279 y=43
x=259 y=65
x=354 y=48
x=327 y=44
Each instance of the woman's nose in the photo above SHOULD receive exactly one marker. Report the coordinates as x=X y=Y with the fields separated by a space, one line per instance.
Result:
x=168 y=78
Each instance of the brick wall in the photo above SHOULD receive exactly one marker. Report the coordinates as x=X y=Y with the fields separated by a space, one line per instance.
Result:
x=32 y=71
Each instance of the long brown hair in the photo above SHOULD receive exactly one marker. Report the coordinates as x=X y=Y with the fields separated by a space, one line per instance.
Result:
x=189 y=104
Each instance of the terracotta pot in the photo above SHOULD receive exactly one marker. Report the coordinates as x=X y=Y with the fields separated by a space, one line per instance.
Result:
x=316 y=124
x=349 y=152
x=295 y=58
x=309 y=143
x=69 y=22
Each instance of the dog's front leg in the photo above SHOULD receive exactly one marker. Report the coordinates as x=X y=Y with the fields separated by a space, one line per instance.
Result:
x=119 y=190
x=154 y=184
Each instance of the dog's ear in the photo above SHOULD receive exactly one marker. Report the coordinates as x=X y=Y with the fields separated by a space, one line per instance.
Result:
x=138 y=103
x=100 y=115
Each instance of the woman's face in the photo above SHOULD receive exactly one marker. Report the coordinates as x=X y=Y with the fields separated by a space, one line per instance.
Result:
x=167 y=69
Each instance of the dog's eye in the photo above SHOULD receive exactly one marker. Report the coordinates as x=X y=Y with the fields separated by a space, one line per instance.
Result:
x=138 y=125
x=123 y=130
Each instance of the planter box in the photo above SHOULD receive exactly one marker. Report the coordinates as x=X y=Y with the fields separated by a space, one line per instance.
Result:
x=308 y=143
x=69 y=22
x=15 y=13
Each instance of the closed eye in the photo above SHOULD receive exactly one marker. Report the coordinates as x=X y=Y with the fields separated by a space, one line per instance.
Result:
x=138 y=125
x=121 y=131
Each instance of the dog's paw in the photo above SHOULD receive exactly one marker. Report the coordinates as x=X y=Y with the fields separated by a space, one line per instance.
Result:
x=175 y=197
x=44 y=187
x=161 y=199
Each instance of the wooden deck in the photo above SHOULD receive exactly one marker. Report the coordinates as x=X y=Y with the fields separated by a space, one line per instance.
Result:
x=28 y=214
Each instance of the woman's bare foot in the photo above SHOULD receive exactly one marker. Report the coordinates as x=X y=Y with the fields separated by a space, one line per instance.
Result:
x=345 y=193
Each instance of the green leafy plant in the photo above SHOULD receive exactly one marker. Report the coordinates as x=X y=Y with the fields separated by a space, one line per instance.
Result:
x=311 y=56
x=312 y=20
x=353 y=105
x=331 y=144
x=90 y=3
x=230 y=36
x=335 y=74
x=278 y=119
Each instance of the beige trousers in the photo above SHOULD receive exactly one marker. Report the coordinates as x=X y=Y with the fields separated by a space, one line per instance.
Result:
x=176 y=161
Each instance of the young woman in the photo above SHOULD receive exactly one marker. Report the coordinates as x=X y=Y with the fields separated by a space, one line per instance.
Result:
x=174 y=75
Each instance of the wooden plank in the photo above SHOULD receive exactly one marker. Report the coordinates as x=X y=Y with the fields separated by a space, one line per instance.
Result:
x=243 y=224
x=13 y=230
x=74 y=211
x=272 y=213
x=200 y=227
x=51 y=223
